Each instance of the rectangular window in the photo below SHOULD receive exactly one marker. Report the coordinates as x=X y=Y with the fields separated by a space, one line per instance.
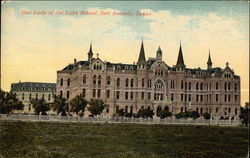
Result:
x=142 y=95
x=67 y=94
x=61 y=94
x=217 y=86
x=98 y=93
x=217 y=97
x=131 y=95
x=235 y=98
x=181 y=84
x=126 y=95
x=84 y=92
x=149 y=95
x=117 y=95
x=172 y=97
x=201 y=98
x=131 y=109
x=225 y=98
x=185 y=85
x=189 y=97
x=108 y=93
x=189 y=85
x=197 y=98
x=142 y=82
x=68 y=83
x=235 y=86
x=107 y=109
x=94 y=92
x=181 y=97
x=235 y=111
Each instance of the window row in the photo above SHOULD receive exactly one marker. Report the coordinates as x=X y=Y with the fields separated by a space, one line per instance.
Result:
x=36 y=96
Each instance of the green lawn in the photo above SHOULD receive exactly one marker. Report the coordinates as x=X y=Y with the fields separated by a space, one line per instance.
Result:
x=73 y=140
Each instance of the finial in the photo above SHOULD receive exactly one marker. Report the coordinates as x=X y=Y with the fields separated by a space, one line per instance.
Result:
x=180 y=42
x=227 y=64
x=97 y=55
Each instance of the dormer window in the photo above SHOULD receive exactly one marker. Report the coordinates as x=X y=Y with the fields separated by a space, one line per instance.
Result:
x=227 y=74
x=97 y=66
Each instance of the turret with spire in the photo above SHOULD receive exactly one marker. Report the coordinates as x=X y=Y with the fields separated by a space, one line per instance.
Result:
x=180 y=66
x=90 y=53
x=159 y=53
x=209 y=61
x=141 y=63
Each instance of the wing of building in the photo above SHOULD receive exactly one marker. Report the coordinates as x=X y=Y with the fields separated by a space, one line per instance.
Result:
x=152 y=84
x=25 y=91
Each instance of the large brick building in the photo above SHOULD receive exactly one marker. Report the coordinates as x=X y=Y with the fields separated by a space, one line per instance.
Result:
x=152 y=84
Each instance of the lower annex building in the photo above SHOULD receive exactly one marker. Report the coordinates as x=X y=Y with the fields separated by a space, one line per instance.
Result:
x=25 y=91
x=152 y=84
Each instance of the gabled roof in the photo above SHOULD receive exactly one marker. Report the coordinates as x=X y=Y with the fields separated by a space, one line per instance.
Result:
x=33 y=86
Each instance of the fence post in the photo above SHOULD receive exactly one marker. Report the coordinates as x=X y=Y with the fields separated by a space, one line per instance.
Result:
x=140 y=119
x=68 y=117
x=229 y=121
x=132 y=119
x=39 y=117
x=49 y=116
x=173 y=119
x=29 y=116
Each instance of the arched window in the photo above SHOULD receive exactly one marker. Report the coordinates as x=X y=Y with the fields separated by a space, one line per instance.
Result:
x=159 y=85
x=225 y=86
x=94 y=79
x=118 y=82
x=61 y=83
x=99 y=80
x=132 y=82
x=108 y=80
x=126 y=82
x=229 y=86
x=84 y=79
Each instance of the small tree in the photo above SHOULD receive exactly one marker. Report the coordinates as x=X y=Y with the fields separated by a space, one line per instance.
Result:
x=244 y=114
x=78 y=104
x=195 y=115
x=59 y=105
x=40 y=105
x=96 y=106
x=145 y=113
x=165 y=113
x=121 y=112
x=180 y=115
x=206 y=115
x=9 y=102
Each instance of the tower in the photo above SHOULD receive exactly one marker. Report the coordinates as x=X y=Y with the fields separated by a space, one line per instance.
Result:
x=141 y=63
x=90 y=53
x=209 y=61
x=159 y=53
x=180 y=66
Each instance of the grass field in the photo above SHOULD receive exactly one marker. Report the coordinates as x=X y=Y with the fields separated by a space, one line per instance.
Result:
x=79 y=140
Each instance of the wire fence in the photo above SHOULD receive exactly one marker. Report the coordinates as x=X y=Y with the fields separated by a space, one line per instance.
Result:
x=106 y=119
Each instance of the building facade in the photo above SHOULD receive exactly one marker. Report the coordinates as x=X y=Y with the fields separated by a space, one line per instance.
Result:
x=152 y=84
x=25 y=91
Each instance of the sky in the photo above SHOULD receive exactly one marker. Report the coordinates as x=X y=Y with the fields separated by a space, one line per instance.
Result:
x=35 y=46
